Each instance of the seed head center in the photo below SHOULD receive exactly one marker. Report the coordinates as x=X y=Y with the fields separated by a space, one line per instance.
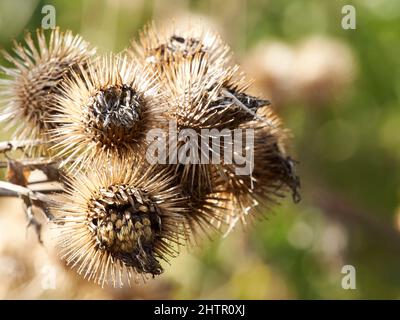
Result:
x=114 y=114
x=123 y=220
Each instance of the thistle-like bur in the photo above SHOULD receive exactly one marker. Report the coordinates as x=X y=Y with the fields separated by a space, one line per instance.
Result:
x=33 y=83
x=117 y=223
x=200 y=98
x=159 y=46
x=203 y=96
x=106 y=112
x=272 y=178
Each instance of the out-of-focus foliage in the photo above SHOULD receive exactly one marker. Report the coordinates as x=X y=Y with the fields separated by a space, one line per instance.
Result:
x=339 y=93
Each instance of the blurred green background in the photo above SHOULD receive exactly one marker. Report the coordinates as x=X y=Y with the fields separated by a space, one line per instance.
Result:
x=337 y=90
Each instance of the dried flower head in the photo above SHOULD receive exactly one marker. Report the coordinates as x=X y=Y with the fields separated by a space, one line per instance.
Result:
x=202 y=99
x=272 y=177
x=106 y=111
x=191 y=43
x=116 y=223
x=170 y=43
x=33 y=83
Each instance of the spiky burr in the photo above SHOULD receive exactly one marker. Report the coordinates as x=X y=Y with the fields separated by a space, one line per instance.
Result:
x=33 y=82
x=160 y=45
x=161 y=48
x=203 y=99
x=117 y=222
x=105 y=112
x=273 y=175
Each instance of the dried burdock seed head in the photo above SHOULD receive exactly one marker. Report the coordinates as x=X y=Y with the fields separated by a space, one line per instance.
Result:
x=272 y=177
x=202 y=99
x=190 y=41
x=117 y=223
x=106 y=112
x=33 y=84
x=170 y=43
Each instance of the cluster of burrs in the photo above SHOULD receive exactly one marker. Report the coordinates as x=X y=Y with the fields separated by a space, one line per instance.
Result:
x=119 y=214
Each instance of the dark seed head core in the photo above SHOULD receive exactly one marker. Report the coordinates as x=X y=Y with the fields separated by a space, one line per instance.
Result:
x=186 y=46
x=114 y=115
x=126 y=223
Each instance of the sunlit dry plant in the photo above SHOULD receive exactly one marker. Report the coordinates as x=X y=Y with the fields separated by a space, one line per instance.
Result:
x=117 y=217
x=33 y=83
x=272 y=177
x=106 y=111
x=117 y=222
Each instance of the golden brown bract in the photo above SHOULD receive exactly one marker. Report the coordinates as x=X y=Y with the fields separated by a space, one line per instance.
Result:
x=117 y=222
x=106 y=112
x=33 y=83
